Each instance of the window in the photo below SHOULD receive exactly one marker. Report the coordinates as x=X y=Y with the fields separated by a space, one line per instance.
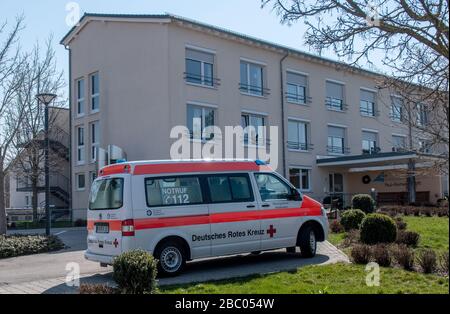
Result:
x=422 y=115
x=296 y=88
x=106 y=194
x=396 y=109
x=229 y=188
x=251 y=79
x=369 y=142
x=95 y=93
x=336 y=182
x=271 y=187
x=173 y=191
x=425 y=146
x=398 y=143
x=200 y=121
x=80 y=145
x=300 y=178
x=298 y=135
x=335 y=96
x=27 y=200
x=367 y=103
x=199 y=67
x=93 y=175
x=81 y=181
x=95 y=140
x=336 y=140
x=80 y=97
x=254 y=129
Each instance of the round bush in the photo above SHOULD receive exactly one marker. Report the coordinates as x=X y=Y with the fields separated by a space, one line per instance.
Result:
x=352 y=218
x=135 y=272
x=378 y=228
x=364 y=202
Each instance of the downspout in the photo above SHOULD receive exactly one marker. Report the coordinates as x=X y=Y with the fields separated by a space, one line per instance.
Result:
x=70 y=132
x=283 y=139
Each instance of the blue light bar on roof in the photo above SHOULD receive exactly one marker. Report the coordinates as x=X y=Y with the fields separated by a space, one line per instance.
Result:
x=260 y=162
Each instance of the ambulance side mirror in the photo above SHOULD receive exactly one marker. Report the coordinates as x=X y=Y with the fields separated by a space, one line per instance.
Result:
x=295 y=195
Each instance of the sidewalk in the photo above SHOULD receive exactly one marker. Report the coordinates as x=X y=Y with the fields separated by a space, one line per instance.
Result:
x=197 y=271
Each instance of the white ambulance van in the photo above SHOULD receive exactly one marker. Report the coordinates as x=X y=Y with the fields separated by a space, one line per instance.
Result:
x=184 y=210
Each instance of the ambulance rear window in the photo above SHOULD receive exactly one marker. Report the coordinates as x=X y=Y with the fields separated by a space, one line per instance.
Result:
x=106 y=194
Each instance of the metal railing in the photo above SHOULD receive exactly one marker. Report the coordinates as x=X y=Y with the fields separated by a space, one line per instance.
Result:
x=298 y=99
x=338 y=150
x=335 y=104
x=57 y=180
x=201 y=79
x=300 y=146
x=254 y=90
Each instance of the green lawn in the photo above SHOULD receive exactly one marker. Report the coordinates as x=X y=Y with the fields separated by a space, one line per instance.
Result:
x=433 y=231
x=335 y=279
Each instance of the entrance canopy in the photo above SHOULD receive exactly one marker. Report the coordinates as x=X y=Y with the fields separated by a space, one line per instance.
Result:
x=374 y=162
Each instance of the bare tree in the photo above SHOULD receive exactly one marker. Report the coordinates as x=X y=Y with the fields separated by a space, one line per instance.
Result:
x=11 y=80
x=27 y=149
x=412 y=38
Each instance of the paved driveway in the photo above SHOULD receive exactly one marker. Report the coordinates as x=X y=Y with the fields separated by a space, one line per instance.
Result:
x=45 y=273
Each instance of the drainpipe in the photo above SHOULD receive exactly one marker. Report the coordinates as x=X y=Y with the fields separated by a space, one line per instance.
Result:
x=411 y=180
x=283 y=139
x=70 y=132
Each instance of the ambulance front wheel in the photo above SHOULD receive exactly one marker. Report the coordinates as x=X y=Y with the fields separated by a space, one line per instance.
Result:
x=171 y=257
x=308 y=242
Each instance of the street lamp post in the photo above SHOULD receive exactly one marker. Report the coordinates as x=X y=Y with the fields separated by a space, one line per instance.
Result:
x=46 y=99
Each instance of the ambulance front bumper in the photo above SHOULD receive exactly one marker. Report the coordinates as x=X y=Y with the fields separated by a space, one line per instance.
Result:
x=105 y=259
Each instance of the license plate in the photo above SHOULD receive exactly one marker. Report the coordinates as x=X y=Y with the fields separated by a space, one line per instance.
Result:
x=102 y=228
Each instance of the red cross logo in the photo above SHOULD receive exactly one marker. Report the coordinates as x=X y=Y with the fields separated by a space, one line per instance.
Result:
x=116 y=243
x=271 y=231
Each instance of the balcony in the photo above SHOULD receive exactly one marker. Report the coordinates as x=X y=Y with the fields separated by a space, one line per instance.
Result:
x=298 y=99
x=201 y=80
x=59 y=186
x=372 y=150
x=254 y=90
x=300 y=146
x=336 y=104
x=339 y=150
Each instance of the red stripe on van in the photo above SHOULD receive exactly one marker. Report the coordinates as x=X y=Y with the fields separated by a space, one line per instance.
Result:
x=153 y=223
x=198 y=167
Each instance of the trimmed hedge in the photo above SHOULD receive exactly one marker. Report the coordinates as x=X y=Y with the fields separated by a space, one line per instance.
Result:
x=378 y=228
x=16 y=245
x=352 y=218
x=364 y=202
x=135 y=272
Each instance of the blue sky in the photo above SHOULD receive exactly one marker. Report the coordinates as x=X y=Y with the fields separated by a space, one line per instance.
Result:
x=45 y=17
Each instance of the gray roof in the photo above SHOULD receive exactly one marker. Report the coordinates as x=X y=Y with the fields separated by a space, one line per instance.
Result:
x=373 y=157
x=226 y=31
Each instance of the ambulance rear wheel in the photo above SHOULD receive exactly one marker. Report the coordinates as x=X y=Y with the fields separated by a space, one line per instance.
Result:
x=308 y=242
x=171 y=258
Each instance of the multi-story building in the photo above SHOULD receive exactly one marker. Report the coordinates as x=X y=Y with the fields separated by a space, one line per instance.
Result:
x=134 y=77
x=31 y=154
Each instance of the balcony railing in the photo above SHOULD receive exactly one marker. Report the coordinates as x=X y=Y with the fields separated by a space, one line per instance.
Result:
x=298 y=99
x=201 y=79
x=338 y=150
x=336 y=104
x=254 y=90
x=373 y=150
x=57 y=180
x=300 y=146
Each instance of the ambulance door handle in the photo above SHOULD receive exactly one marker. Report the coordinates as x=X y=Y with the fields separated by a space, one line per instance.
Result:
x=250 y=206
x=265 y=205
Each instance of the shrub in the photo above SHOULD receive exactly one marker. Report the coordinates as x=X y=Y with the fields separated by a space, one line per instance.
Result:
x=381 y=255
x=360 y=254
x=15 y=245
x=443 y=263
x=401 y=224
x=409 y=238
x=80 y=223
x=378 y=228
x=135 y=272
x=97 y=289
x=404 y=256
x=427 y=260
x=336 y=227
x=352 y=218
x=351 y=238
x=365 y=202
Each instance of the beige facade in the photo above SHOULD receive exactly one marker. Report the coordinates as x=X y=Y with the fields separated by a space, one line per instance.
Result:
x=142 y=92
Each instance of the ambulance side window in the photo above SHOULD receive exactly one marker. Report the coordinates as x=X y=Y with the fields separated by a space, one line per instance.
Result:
x=173 y=191
x=229 y=188
x=271 y=187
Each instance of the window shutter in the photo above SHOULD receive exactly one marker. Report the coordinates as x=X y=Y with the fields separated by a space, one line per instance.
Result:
x=335 y=90
x=199 y=55
x=367 y=96
x=336 y=131
x=369 y=136
x=297 y=79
